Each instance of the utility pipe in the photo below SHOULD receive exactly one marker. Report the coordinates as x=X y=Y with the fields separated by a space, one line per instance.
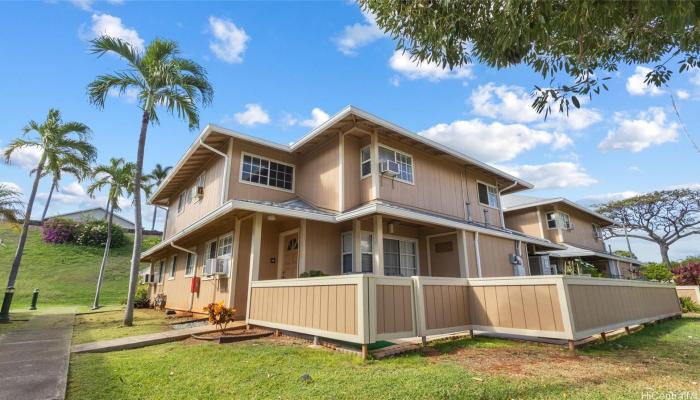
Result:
x=195 y=268
x=227 y=168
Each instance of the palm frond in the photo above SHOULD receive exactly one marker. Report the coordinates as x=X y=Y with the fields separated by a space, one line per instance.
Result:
x=106 y=44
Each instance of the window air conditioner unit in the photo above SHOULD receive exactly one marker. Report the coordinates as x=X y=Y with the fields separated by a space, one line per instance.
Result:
x=221 y=267
x=389 y=168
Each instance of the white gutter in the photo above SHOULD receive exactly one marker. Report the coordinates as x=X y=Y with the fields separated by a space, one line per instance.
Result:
x=500 y=204
x=227 y=169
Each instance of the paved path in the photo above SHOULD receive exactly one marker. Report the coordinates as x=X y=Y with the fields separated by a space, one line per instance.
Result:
x=34 y=358
x=132 y=342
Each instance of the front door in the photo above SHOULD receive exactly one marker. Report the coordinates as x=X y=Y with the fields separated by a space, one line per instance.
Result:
x=290 y=255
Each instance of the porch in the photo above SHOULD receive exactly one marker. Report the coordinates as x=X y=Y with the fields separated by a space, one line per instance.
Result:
x=364 y=309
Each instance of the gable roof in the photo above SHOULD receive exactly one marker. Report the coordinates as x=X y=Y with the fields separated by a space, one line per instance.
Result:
x=78 y=212
x=513 y=202
x=214 y=135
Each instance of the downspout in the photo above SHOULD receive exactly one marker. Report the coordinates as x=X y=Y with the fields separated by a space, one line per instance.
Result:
x=227 y=168
x=195 y=268
x=500 y=205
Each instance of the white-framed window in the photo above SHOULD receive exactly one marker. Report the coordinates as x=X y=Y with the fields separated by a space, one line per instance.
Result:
x=210 y=256
x=347 y=250
x=404 y=161
x=181 y=202
x=218 y=254
x=161 y=271
x=173 y=265
x=198 y=183
x=488 y=195
x=400 y=256
x=191 y=264
x=558 y=219
x=365 y=162
x=225 y=246
x=266 y=172
x=597 y=232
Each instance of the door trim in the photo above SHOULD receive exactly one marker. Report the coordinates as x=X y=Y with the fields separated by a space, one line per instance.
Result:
x=281 y=250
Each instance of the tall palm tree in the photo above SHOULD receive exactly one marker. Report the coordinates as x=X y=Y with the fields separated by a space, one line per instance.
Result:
x=10 y=204
x=158 y=175
x=55 y=139
x=162 y=79
x=59 y=164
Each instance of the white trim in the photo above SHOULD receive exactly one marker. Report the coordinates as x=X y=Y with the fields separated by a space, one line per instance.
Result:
x=341 y=172
x=268 y=159
x=463 y=254
x=397 y=179
x=488 y=185
x=281 y=241
x=254 y=267
x=233 y=267
x=227 y=166
x=357 y=246
x=416 y=243
x=374 y=156
x=301 y=263
x=378 y=245
x=362 y=162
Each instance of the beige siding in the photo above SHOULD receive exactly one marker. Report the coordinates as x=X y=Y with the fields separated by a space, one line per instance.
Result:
x=323 y=307
x=393 y=309
x=477 y=209
x=213 y=176
x=495 y=254
x=525 y=221
x=318 y=175
x=351 y=172
x=323 y=247
x=605 y=306
x=582 y=234
x=693 y=293
x=446 y=306
x=532 y=307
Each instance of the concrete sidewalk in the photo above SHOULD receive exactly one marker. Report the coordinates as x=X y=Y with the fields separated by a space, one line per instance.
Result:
x=133 y=342
x=34 y=357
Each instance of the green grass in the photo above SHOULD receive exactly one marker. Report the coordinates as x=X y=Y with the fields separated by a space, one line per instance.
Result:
x=91 y=327
x=482 y=368
x=64 y=274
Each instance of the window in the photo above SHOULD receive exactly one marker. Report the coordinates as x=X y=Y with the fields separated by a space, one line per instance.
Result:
x=181 y=202
x=488 y=195
x=191 y=264
x=404 y=161
x=366 y=251
x=365 y=162
x=262 y=171
x=161 y=271
x=173 y=265
x=210 y=256
x=559 y=220
x=346 y=250
x=597 y=232
x=194 y=194
x=225 y=246
x=400 y=257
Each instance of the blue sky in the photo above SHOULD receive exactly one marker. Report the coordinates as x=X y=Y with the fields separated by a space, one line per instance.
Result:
x=278 y=69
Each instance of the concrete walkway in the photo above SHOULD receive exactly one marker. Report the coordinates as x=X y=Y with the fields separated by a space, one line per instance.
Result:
x=133 y=342
x=34 y=357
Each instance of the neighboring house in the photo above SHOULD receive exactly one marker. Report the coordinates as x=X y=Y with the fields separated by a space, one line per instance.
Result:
x=97 y=213
x=576 y=227
x=356 y=195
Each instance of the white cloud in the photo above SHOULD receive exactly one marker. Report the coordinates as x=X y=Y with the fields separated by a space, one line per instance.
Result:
x=73 y=195
x=634 y=168
x=86 y=5
x=253 y=115
x=229 y=41
x=682 y=94
x=650 y=128
x=493 y=142
x=395 y=81
x=318 y=116
x=130 y=95
x=637 y=87
x=74 y=189
x=26 y=157
x=606 y=197
x=12 y=186
x=402 y=63
x=514 y=104
x=108 y=25
x=358 y=35
x=552 y=175
x=695 y=77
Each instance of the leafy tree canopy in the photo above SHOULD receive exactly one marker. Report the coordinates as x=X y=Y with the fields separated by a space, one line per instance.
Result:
x=575 y=46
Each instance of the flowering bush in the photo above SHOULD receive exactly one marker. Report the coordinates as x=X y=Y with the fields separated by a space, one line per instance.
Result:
x=687 y=274
x=59 y=230
x=220 y=315
x=94 y=233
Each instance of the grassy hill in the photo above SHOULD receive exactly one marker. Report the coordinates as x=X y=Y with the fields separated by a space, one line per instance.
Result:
x=64 y=274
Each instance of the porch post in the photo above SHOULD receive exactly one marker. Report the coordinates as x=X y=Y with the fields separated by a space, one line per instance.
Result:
x=302 y=246
x=254 y=272
x=462 y=253
x=234 y=263
x=341 y=171
x=378 y=246
x=478 y=255
x=356 y=250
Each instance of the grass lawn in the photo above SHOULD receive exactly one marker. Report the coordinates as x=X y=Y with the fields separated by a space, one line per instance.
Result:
x=657 y=360
x=96 y=326
x=64 y=274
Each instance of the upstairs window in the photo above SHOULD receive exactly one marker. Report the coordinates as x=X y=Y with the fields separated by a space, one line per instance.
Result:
x=559 y=220
x=161 y=271
x=597 y=232
x=488 y=195
x=191 y=263
x=181 y=202
x=365 y=162
x=173 y=265
x=265 y=172
x=404 y=161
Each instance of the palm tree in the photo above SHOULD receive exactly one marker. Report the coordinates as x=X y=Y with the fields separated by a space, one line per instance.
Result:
x=10 y=204
x=55 y=139
x=161 y=78
x=59 y=164
x=158 y=175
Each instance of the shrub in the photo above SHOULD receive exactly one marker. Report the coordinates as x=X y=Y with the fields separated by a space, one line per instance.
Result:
x=657 y=272
x=141 y=299
x=94 y=233
x=59 y=230
x=220 y=315
x=311 y=274
x=149 y=241
x=687 y=274
x=688 y=305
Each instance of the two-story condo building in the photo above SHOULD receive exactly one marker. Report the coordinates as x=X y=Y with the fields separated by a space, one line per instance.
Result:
x=357 y=194
x=577 y=228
